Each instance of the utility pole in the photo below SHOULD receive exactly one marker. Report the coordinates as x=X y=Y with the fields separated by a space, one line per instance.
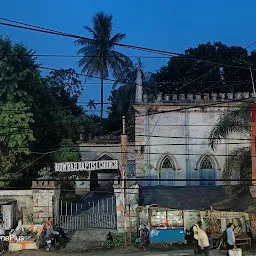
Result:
x=253 y=87
x=253 y=133
x=124 y=175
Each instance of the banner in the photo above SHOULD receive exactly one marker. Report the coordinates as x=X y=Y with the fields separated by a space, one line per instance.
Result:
x=87 y=166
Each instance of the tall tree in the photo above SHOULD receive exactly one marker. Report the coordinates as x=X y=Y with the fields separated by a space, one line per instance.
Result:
x=203 y=61
x=17 y=70
x=36 y=113
x=99 y=54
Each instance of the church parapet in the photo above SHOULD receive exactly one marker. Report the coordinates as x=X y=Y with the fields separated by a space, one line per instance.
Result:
x=198 y=98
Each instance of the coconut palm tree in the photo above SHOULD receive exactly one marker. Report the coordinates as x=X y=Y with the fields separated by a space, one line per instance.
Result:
x=125 y=94
x=91 y=105
x=235 y=120
x=99 y=55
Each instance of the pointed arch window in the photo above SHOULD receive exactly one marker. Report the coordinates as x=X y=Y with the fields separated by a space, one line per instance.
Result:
x=207 y=172
x=167 y=171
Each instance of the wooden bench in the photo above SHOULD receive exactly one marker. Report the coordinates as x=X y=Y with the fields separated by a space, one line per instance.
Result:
x=243 y=240
x=240 y=240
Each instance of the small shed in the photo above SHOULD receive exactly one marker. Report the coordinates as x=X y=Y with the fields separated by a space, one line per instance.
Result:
x=200 y=203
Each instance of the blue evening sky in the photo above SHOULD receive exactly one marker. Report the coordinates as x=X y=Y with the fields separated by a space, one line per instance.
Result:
x=172 y=25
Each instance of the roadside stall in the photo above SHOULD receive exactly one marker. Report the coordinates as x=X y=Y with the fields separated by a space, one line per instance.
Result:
x=166 y=225
x=216 y=222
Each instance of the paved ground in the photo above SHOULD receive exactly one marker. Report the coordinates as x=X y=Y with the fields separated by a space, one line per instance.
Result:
x=128 y=252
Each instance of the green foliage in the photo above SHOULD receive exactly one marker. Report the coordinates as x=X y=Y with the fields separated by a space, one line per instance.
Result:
x=46 y=173
x=67 y=152
x=36 y=113
x=30 y=218
x=99 y=55
x=147 y=167
x=201 y=60
x=238 y=165
x=236 y=120
x=15 y=113
x=116 y=243
x=27 y=232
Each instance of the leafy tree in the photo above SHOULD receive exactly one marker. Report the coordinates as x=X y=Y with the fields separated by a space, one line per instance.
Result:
x=99 y=54
x=36 y=113
x=67 y=152
x=17 y=68
x=236 y=120
x=181 y=73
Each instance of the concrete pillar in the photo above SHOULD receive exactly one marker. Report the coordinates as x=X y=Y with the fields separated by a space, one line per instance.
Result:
x=132 y=204
x=138 y=98
x=46 y=195
x=253 y=142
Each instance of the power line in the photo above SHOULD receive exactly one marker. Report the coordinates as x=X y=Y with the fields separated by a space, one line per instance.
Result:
x=130 y=56
x=190 y=107
x=220 y=103
x=213 y=68
x=131 y=179
x=74 y=109
x=35 y=28
x=151 y=153
x=167 y=53
x=50 y=31
x=153 y=145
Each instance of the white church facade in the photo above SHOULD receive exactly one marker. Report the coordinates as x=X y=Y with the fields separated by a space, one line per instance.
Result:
x=171 y=138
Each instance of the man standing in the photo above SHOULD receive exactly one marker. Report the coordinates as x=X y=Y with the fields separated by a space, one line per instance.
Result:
x=231 y=242
x=203 y=241
x=195 y=231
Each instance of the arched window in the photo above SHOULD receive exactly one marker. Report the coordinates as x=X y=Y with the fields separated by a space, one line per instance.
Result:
x=167 y=171
x=207 y=172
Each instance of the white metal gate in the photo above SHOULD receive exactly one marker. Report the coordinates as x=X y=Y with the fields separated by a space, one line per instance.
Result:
x=88 y=214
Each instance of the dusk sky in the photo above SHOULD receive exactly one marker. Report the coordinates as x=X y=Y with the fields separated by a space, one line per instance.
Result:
x=172 y=25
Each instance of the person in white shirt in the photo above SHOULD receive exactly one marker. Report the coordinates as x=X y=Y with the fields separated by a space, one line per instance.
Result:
x=203 y=241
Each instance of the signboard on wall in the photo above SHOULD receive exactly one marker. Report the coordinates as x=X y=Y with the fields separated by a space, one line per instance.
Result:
x=226 y=215
x=87 y=166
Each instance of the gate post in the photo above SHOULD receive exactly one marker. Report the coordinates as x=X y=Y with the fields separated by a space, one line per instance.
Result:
x=132 y=204
x=46 y=195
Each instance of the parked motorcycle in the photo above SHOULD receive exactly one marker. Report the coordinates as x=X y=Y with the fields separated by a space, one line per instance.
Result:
x=50 y=243
x=60 y=236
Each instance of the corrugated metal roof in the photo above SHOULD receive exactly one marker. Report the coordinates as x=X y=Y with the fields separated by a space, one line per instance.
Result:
x=197 y=198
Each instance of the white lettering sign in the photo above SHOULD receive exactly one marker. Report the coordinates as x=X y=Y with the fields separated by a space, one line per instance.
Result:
x=87 y=166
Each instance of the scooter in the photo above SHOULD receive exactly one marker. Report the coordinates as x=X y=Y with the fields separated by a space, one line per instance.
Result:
x=50 y=243
x=60 y=236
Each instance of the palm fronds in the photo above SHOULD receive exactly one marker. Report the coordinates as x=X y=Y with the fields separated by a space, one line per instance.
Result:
x=235 y=120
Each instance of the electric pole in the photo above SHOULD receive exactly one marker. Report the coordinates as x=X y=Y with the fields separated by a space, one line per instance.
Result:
x=253 y=87
x=124 y=175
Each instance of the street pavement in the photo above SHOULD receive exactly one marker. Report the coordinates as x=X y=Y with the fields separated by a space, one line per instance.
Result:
x=118 y=252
